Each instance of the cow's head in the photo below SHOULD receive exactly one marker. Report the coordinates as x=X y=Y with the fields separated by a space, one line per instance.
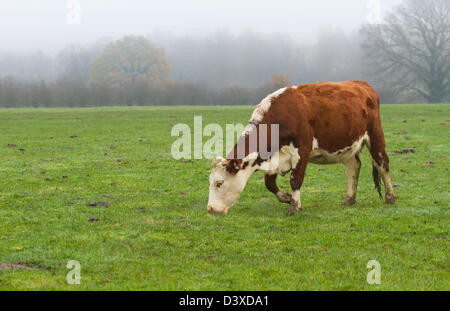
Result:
x=227 y=181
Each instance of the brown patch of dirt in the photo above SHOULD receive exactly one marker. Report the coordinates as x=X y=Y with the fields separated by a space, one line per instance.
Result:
x=404 y=151
x=16 y=266
x=101 y=203
x=430 y=164
x=140 y=209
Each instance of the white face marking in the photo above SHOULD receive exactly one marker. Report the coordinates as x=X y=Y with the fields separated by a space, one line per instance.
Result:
x=225 y=189
x=320 y=156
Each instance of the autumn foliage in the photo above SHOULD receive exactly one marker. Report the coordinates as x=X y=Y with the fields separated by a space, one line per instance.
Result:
x=130 y=61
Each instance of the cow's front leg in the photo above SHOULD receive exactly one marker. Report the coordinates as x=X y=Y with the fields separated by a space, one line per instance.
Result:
x=297 y=178
x=271 y=184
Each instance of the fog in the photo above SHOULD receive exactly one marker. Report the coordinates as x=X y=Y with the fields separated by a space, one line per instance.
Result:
x=30 y=25
x=202 y=52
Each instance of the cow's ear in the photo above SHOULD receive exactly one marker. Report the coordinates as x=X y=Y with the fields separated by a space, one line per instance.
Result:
x=234 y=166
x=217 y=162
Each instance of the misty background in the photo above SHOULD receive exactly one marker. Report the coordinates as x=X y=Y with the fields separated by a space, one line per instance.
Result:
x=197 y=52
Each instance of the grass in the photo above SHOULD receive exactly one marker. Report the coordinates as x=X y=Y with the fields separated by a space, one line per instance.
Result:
x=157 y=235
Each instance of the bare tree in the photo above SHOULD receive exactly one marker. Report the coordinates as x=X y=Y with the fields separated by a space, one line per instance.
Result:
x=75 y=63
x=411 y=48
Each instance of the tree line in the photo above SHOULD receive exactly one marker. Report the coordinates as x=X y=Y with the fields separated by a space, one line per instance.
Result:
x=407 y=59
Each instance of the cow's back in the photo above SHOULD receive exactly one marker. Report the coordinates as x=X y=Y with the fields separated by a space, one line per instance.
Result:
x=339 y=112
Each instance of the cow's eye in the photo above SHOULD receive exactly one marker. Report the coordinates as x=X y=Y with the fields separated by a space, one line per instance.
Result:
x=219 y=183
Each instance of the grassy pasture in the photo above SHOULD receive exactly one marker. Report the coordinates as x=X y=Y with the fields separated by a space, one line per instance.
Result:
x=156 y=234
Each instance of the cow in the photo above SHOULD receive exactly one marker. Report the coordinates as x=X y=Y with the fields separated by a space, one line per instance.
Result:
x=321 y=123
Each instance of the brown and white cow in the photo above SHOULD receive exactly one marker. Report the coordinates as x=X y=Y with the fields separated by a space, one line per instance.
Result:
x=322 y=123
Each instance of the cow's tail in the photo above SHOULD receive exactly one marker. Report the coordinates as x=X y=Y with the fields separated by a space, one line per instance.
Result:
x=377 y=180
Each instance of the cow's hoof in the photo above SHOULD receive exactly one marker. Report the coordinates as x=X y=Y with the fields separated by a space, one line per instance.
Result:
x=349 y=201
x=293 y=209
x=284 y=197
x=390 y=200
x=291 y=212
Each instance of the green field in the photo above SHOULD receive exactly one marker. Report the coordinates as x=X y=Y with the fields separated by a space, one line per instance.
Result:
x=156 y=234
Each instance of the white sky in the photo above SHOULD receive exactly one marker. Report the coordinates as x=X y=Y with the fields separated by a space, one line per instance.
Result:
x=28 y=25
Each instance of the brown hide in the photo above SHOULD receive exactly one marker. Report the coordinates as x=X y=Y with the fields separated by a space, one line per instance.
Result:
x=335 y=113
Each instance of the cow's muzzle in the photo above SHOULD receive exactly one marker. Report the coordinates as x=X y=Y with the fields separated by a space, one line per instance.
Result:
x=213 y=210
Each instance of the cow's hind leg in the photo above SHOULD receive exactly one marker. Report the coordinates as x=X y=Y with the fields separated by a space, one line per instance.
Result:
x=380 y=161
x=383 y=170
x=271 y=184
x=352 y=168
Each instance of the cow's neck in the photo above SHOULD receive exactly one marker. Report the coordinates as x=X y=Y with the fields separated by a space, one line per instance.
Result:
x=244 y=149
x=260 y=116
